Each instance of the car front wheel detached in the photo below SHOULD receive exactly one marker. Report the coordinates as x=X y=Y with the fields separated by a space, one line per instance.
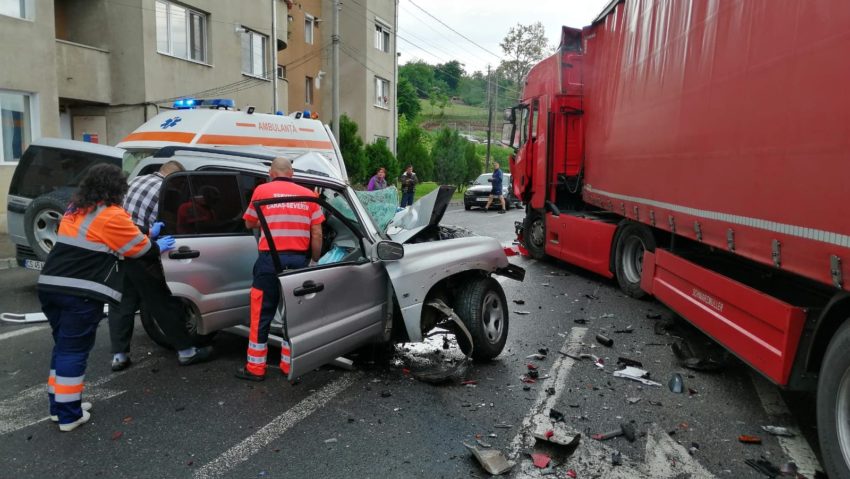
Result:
x=149 y=323
x=482 y=307
x=41 y=222
x=633 y=241
x=833 y=404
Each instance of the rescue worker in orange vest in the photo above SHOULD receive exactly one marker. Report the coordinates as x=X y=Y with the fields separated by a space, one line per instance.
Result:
x=296 y=230
x=81 y=273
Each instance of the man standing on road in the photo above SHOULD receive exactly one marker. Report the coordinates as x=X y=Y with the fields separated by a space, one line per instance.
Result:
x=296 y=229
x=144 y=280
x=408 y=186
x=496 y=191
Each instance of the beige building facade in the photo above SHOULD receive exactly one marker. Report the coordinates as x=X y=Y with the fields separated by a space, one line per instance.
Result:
x=94 y=70
x=301 y=62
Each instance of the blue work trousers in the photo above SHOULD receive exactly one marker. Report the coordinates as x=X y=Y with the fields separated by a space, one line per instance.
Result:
x=74 y=321
x=407 y=198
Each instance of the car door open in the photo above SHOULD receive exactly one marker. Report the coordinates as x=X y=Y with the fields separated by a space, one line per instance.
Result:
x=337 y=306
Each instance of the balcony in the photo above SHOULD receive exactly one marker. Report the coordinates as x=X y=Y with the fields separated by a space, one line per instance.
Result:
x=83 y=72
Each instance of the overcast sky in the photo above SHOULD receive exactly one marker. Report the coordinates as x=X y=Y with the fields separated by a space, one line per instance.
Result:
x=485 y=22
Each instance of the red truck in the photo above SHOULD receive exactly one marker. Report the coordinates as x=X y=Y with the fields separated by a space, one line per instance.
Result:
x=699 y=152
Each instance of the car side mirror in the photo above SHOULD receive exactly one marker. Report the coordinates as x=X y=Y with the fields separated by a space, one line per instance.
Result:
x=389 y=251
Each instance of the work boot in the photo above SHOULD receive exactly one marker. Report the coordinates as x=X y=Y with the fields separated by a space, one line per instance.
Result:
x=201 y=355
x=85 y=406
x=241 y=373
x=74 y=425
x=501 y=212
x=119 y=365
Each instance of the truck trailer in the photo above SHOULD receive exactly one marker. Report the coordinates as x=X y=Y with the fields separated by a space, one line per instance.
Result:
x=699 y=152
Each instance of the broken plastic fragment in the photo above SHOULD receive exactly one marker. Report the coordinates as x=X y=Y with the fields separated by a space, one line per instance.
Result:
x=635 y=374
x=676 y=383
x=616 y=458
x=556 y=415
x=629 y=362
x=572 y=473
x=522 y=312
x=604 y=340
x=778 y=431
x=540 y=460
x=747 y=439
x=519 y=301
x=493 y=461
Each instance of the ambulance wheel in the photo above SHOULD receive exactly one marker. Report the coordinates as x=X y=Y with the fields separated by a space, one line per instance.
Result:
x=833 y=404
x=534 y=234
x=483 y=308
x=192 y=318
x=634 y=239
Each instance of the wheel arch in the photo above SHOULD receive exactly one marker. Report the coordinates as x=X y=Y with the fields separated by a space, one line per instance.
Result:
x=835 y=313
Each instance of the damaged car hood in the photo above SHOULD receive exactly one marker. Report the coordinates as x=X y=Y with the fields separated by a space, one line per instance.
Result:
x=428 y=211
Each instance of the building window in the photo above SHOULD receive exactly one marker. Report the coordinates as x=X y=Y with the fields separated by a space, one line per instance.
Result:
x=382 y=92
x=254 y=47
x=382 y=37
x=181 y=32
x=14 y=8
x=281 y=72
x=15 y=125
x=308 y=90
x=309 y=22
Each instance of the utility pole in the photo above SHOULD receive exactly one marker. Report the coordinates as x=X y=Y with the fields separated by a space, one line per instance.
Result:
x=489 y=119
x=335 y=68
x=274 y=56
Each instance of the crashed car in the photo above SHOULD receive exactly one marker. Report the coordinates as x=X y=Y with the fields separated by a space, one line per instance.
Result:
x=380 y=285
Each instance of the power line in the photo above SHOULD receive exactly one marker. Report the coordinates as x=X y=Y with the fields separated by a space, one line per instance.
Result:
x=452 y=29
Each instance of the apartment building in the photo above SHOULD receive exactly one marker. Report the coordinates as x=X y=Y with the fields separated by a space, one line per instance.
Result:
x=301 y=62
x=368 y=65
x=94 y=70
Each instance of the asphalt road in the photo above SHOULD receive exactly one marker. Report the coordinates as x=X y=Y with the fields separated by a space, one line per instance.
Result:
x=160 y=420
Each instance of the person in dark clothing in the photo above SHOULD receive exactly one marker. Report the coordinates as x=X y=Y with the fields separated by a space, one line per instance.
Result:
x=408 y=186
x=496 y=191
x=81 y=273
x=144 y=281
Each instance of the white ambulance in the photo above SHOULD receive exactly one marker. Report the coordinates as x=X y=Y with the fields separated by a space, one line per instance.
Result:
x=214 y=123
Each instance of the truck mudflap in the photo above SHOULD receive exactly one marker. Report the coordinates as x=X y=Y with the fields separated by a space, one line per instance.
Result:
x=512 y=271
x=760 y=329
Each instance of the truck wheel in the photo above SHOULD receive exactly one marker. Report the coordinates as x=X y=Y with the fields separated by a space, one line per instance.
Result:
x=156 y=334
x=833 y=404
x=41 y=222
x=633 y=240
x=482 y=307
x=534 y=234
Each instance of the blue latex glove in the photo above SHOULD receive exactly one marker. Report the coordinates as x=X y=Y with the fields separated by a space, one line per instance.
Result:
x=156 y=228
x=166 y=243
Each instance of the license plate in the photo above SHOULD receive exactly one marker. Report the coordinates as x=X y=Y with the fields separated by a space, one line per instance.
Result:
x=33 y=264
x=481 y=200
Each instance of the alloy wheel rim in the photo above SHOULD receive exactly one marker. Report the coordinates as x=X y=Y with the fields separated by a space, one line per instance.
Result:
x=492 y=317
x=633 y=259
x=46 y=228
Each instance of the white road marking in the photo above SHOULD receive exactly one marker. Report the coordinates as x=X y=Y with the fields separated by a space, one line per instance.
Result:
x=28 y=406
x=277 y=427
x=21 y=332
x=797 y=448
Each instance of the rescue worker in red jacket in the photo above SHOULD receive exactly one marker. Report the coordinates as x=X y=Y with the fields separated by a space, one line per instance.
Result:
x=81 y=273
x=296 y=229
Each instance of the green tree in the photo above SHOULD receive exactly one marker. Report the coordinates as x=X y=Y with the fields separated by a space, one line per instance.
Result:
x=473 y=89
x=413 y=150
x=473 y=163
x=523 y=46
x=351 y=146
x=379 y=156
x=408 y=101
x=439 y=100
x=420 y=75
x=448 y=156
x=451 y=74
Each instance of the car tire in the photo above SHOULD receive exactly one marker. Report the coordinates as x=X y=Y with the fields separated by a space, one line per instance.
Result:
x=483 y=308
x=156 y=334
x=833 y=404
x=41 y=222
x=633 y=240
x=467 y=207
x=534 y=234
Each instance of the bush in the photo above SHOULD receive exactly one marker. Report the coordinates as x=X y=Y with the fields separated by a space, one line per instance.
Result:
x=448 y=156
x=413 y=150
x=378 y=155
x=353 y=155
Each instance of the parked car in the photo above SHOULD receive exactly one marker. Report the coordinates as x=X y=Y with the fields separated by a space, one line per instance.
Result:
x=477 y=193
x=44 y=180
x=389 y=285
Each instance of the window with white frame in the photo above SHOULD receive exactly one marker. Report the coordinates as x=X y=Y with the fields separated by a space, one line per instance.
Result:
x=308 y=90
x=14 y=8
x=15 y=125
x=382 y=37
x=309 y=23
x=281 y=72
x=254 y=46
x=382 y=92
x=181 y=31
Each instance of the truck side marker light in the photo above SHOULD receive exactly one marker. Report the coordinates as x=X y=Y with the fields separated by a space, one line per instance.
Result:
x=776 y=253
x=730 y=239
x=835 y=270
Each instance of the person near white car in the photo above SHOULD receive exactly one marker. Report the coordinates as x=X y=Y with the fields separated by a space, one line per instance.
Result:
x=296 y=230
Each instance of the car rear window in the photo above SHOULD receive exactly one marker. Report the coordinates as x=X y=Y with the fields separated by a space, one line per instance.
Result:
x=43 y=170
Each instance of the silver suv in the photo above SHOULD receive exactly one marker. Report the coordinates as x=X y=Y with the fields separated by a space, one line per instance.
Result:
x=387 y=285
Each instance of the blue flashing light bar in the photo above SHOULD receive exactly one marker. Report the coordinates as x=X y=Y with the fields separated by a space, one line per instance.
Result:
x=190 y=103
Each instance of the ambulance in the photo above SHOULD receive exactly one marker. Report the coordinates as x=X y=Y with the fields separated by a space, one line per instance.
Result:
x=214 y=123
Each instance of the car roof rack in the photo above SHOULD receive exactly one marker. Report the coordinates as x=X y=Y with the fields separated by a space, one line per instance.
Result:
x=170 y=151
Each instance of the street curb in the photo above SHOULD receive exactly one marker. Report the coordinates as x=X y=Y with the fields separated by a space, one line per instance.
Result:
x=8 y=263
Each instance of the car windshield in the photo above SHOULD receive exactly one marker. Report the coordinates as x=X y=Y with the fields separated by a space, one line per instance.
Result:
x=482 y=180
